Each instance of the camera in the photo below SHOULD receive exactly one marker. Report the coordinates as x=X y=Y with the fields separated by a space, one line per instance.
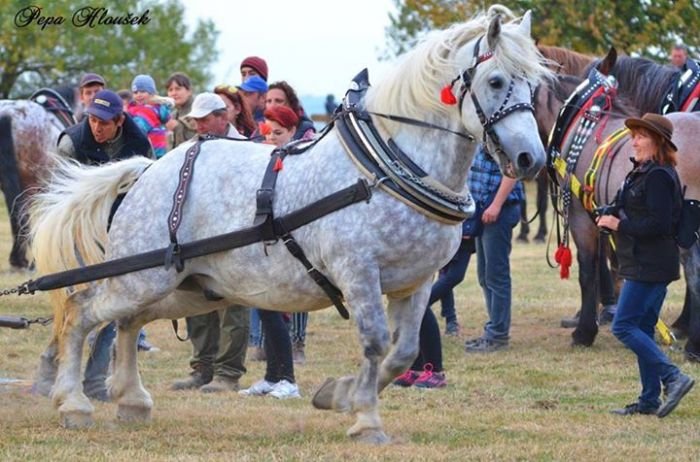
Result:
x=608 y=209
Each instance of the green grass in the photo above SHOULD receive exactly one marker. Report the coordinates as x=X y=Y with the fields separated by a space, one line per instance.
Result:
x=541 y=400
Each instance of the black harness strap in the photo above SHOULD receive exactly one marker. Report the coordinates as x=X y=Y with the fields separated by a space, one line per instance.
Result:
x=358 y=192
x=272 y=229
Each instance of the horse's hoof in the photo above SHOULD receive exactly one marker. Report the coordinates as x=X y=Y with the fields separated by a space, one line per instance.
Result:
x=137 y=414
x=691 y=356
x=578 y=338
x=42 y=388
x=76 y=420
x=323 y=398
x=372 y=436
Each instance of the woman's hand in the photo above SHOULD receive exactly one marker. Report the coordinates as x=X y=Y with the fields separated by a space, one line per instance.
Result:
x=610 y=222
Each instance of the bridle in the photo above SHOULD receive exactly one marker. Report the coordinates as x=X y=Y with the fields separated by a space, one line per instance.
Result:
x=502 y=112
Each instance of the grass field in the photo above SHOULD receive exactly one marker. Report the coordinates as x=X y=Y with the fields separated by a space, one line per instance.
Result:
x=539 y=400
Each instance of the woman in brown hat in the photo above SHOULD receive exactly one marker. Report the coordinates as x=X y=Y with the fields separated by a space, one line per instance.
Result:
x=649 y=205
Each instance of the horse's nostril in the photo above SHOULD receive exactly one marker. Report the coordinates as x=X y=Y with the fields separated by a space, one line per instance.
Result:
x=524 y=160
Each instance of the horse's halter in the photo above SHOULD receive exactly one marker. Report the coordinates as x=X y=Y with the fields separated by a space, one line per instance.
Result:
x=501 y=113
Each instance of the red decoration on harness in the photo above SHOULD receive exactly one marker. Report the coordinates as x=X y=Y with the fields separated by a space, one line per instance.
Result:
x=446 y=95
x=278 y=165
x=264 y=128
x=563 y=257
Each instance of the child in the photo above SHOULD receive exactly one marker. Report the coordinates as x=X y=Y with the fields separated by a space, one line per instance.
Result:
x=150 y=112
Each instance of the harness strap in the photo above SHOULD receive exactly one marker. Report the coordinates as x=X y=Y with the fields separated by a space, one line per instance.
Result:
x=358 y=192
x=332 y=291
x=264 y=197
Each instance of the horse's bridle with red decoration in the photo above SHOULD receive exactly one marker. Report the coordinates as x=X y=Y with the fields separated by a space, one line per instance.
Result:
x=466 y=76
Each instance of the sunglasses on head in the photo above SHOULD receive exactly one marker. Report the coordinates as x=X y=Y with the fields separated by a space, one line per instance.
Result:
x=226 y=88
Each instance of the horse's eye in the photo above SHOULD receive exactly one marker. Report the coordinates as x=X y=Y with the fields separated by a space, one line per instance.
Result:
x=496 y=83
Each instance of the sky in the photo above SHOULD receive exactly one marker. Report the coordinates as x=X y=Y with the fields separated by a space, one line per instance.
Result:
x=317 y=46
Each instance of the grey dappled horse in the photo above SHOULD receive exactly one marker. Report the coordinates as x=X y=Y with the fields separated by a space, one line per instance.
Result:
x=367 y=249
x=28 y=137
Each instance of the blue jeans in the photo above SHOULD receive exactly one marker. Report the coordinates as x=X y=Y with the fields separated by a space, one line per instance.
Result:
x=255 y=335
x=451 y=275
x=493 y=269
x=97 y=368
x=638 y=310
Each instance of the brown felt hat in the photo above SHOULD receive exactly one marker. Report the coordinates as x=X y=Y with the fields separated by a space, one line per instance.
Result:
x=654 y=123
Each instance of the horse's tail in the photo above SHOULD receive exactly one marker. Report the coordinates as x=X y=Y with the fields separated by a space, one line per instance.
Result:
x=69 y=220
x=9 y=174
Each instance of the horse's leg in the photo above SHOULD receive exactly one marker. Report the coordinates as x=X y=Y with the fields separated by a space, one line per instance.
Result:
x=67 y=394
x=359 y=393
x=406 y=315
x=11 y=185
x=691 y=267
x=681 y=326
x=125 y=387
x=48 y=368
x=587 y=256
x=542 y=183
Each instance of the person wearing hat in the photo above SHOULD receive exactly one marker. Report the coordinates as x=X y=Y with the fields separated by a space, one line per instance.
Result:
x=151 y=112
x=253 y=65
x=648 y=211
x=220 y=338
x=90 y=84
x=254 y=89
x=105 y=135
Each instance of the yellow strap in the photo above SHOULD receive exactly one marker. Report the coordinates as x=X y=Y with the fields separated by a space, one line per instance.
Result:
x=665 y=334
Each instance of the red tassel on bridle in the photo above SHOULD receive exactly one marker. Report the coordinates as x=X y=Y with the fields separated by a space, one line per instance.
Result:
x=446 y=95
x=278 y=165
x=563 y=257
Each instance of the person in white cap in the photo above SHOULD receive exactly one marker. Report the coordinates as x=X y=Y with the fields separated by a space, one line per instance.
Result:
x=220 y=338
x=210 y=116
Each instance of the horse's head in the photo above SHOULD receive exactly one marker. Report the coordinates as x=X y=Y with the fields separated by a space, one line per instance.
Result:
x=498 y=73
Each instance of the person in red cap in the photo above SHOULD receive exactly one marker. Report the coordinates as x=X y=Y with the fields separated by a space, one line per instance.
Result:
x=253 y=65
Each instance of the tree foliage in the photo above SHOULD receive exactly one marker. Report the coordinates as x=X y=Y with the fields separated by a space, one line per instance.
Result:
x=646 y=28
x=40 y=54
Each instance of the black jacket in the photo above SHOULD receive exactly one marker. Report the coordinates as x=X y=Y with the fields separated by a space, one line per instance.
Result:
x=650 y=205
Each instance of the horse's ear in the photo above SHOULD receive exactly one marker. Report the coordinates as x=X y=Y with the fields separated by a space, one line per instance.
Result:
x=494 y=32
x=525 y=26
x=606 y=65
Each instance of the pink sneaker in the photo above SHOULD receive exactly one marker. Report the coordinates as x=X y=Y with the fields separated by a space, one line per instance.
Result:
x=430 y=379
x=407 y=379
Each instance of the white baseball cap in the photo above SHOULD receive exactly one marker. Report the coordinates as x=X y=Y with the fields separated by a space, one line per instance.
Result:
x=204 y=104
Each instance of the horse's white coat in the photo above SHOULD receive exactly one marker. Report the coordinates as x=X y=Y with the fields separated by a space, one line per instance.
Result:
x=367 y=249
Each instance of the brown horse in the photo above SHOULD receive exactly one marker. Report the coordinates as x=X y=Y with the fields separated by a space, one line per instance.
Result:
x=564 y=62
x=29 y=131
x=614 y=167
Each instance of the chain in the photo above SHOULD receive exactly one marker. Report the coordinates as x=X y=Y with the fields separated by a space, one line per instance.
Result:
x=43 y=321
x=401 y=171
x=21 y=289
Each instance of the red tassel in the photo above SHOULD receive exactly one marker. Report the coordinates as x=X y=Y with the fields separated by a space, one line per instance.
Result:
x=563 y=257
x=278 y=165
x=446 y=95
x=264 y=128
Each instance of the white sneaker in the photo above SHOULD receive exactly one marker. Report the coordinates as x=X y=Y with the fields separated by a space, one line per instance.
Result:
x=283 y=390
x=259 y=388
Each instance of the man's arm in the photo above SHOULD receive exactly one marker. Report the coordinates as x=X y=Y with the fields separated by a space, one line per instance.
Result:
x=492 y=211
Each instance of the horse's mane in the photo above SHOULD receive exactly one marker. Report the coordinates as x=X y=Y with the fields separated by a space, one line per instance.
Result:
x=566 y=61
x=413 y=86
x=642 y=81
